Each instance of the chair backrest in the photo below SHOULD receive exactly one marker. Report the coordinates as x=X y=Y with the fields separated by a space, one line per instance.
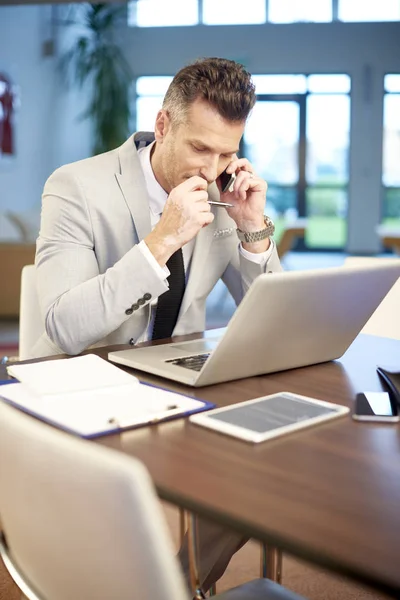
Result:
x=31 y=324
x=385 y=321
x=81 y=520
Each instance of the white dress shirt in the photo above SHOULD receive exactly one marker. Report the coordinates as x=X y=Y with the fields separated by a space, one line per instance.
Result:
x=157 y=199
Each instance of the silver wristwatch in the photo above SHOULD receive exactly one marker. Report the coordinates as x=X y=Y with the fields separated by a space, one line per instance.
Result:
x=257 y=236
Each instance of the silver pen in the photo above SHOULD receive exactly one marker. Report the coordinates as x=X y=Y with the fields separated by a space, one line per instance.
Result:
x=219 y=203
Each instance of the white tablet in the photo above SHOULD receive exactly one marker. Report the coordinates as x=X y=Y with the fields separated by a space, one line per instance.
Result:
x=269 y=417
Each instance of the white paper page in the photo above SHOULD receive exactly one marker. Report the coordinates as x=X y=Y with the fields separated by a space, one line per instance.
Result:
x=90 y=412
x=89 y=372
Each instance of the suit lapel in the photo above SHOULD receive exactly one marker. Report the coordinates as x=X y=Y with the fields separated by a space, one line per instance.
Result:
x=133 y=186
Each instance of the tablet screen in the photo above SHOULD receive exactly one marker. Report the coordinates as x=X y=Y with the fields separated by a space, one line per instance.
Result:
x=271 y=413
x=270 y=416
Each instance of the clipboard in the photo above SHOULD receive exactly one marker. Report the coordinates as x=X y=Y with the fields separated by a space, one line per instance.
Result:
x=90 y=412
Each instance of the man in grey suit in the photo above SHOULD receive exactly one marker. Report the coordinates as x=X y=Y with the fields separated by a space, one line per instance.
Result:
x=118 y=227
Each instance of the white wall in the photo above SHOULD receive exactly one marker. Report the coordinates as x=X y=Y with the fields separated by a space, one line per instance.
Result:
x=48 y=133
x=21 y=177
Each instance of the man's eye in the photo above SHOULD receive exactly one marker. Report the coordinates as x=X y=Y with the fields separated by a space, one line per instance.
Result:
x=197 y=149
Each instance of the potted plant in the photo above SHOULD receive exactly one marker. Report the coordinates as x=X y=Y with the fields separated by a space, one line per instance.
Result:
x=95 y=58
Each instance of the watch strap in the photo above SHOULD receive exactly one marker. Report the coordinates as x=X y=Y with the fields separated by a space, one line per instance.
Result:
x=256 y=236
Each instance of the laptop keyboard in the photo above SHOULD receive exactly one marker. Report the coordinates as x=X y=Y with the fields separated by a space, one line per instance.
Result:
x=194 y=362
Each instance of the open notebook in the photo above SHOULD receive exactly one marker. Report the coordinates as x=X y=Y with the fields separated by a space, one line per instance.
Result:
x=88 y=396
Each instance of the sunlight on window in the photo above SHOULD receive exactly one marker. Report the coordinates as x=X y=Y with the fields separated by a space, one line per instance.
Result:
x=391 y=140
x=147 y=108
x=233 y=12
x=369 y=10
x=321 y=84
x=280 y=84
x=392 y=83
x=328 y=127
x=159 y=13
x=152 y=86
x=150 y=94
x=272 y=137
x=292 y=11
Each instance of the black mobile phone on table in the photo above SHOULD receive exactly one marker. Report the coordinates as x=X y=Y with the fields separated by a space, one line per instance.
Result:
x=376 y=407
x=226 y=180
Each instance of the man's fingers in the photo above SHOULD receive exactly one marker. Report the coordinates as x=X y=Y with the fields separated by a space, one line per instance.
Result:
x=194 y=183
x=199 y=196
x=240 y=164
x=207 y=218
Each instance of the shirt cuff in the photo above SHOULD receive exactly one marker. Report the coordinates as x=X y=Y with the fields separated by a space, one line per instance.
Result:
x=261 y=258
x=162 y=272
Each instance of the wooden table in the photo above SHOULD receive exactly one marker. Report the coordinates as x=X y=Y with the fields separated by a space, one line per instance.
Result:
x=329 y=495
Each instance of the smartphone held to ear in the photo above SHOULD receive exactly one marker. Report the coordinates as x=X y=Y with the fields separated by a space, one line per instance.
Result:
x=376 y=407
x=227 y=180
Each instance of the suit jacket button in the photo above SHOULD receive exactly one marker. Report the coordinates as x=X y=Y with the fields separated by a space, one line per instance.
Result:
x=129 y=311
x=135 y=306
x=141 y=301
x=146 y=296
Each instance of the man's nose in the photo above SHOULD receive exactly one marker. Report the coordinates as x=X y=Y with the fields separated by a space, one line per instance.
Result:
x=209 y=170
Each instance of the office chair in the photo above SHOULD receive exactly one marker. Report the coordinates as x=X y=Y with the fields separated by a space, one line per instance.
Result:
x=83 y=521
x=291 y=233
x=31 y=324
x=384 y=322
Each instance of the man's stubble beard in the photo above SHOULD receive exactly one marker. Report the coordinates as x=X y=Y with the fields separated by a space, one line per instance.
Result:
x=168 y=165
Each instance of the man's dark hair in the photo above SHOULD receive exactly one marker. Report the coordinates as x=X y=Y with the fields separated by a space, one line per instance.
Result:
x=224 y=84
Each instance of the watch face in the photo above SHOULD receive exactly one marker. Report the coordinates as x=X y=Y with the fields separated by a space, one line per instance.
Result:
x=269 y=224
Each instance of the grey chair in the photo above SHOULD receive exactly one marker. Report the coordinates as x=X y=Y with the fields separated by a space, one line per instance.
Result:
x=83 y=521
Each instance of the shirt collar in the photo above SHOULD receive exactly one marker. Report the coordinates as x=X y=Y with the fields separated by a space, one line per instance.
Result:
x=157 y=195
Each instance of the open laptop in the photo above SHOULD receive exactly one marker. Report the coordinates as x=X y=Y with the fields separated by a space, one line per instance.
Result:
x=286 y=320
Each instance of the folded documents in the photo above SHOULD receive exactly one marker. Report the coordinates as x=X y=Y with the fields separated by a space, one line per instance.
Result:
x=88 y=396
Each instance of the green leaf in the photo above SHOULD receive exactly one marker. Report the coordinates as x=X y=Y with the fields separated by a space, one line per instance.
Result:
x=96 y=61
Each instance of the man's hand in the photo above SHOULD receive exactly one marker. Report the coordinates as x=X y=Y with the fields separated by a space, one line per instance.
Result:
x=248 y=196
x=185 y=213
x=248 y=199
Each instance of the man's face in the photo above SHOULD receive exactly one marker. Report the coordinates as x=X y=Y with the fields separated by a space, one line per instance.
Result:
x=204 y=144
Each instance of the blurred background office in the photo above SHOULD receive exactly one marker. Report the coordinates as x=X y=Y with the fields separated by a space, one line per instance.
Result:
x=325 y=132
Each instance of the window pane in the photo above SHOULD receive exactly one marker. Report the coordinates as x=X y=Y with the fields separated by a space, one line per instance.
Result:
x=391 y=207
x=392 y=83
x=329 y=83
x=147 y=108
x=152 y=86
x=271 y=139
x=280 y=84
x=328 y=126
x=281 y=202
x=326 y=217
x=159 y=13
x=391 y=140
x=291 y=11
x=369 y=10
x=230 y=12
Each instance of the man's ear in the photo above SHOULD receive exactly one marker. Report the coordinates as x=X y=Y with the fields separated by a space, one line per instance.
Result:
x=162 y=126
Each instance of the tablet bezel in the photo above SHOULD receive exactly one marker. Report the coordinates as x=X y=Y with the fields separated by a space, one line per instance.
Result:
x=248 y=435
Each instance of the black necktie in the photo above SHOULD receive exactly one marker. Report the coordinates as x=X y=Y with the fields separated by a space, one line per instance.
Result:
x=169 y=303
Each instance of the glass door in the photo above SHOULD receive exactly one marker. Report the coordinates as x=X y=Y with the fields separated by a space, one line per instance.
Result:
x=272 y=144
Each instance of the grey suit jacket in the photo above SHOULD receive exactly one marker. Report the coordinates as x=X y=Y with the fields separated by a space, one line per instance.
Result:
x=90 y=272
